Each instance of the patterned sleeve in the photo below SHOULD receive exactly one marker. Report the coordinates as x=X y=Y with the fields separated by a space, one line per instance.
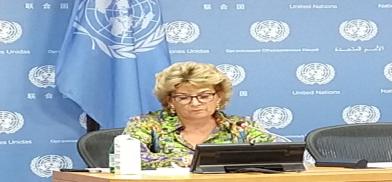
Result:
x=141 y=129
x=255 y=133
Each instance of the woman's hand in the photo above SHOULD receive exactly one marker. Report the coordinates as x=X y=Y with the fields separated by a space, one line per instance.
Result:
x=184 y=162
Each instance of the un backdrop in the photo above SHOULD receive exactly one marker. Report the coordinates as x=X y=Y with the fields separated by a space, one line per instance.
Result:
x=295 y=66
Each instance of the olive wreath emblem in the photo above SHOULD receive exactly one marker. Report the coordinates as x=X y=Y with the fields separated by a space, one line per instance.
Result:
x=120 y=51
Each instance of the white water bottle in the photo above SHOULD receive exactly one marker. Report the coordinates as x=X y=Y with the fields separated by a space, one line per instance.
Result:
x=127 y=159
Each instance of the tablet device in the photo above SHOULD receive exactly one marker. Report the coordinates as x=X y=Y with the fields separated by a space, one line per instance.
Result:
x=260 y=157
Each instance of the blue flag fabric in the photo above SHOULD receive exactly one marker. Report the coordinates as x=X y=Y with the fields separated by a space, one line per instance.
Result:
x=109 y=58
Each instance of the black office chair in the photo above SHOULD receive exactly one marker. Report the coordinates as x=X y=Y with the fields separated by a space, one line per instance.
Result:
x=353 y=142
x=94 y=146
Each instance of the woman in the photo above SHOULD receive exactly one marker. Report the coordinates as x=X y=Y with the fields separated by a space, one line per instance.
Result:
x=192 y=95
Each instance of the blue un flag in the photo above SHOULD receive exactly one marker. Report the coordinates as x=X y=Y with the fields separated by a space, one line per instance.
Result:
x=109 y=58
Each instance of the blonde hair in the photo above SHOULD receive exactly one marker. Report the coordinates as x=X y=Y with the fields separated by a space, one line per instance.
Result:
x=197 y=74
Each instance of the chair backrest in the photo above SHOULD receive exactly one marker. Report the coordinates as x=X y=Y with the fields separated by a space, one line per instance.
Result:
x=372 y=142
x=94 y=146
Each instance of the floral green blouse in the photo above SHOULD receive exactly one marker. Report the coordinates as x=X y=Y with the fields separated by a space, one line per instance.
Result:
x=163 y=146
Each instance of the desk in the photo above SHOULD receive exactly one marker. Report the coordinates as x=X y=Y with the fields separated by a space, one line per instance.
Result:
x=311 y=175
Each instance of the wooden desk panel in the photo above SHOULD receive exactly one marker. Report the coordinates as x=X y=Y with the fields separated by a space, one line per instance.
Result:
x=311 y=175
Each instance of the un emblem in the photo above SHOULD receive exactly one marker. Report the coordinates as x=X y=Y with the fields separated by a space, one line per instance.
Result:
x=235 y=73
x=273 y=117
x=357 y=29
x=361 y=114
x=9 y=31
x=269 y=31
x=10 y=122
x=43 y=76
x=44 y=166
x=388 y=71
x=121 y=28
x=315 y=73
x=182 y=32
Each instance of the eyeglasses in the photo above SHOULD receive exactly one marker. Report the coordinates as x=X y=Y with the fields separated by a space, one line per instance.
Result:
x=186 y=99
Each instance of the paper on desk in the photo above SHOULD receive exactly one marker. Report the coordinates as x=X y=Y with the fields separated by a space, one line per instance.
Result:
x=380 y=164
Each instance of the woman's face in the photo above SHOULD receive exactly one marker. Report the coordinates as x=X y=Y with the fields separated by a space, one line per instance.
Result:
x=192 y=102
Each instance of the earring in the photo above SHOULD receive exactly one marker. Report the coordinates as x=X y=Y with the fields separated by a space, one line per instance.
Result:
x=172 y=110
x=217 y=107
